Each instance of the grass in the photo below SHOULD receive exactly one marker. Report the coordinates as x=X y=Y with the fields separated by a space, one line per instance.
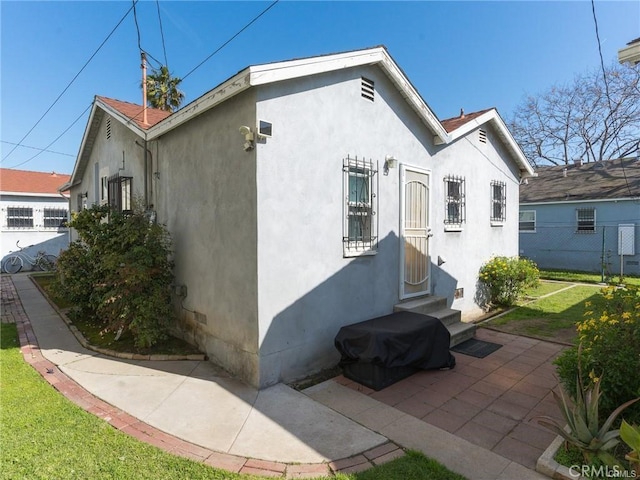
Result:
x=584 y=277
x=45 y=436
x=552 y=317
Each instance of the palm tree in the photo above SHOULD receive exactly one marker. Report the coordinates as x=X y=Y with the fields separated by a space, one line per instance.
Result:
x=162 y=90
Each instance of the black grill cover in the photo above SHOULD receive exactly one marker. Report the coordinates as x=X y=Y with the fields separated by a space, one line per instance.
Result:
x=397 y=340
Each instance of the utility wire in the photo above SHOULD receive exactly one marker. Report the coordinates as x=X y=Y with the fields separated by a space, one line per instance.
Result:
x=70 y=83
x=232 y=38
x=56 y=139
x=36 y=148
x=135 y=20
x=606 y=88
x=218 y=49
x=164 y=49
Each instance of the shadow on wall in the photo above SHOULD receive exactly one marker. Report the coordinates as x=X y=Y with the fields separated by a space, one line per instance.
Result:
x=28 y=253
x=300 y=338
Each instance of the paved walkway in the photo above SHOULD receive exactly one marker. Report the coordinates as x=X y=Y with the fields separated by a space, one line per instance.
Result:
x=193 y=409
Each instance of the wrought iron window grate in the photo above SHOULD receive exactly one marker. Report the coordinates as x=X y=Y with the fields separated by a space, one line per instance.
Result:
x=20 y=217
x=120 y=193
x=455 y=197
x=360 y=193
x=498 y=201
x=586 y=220
x=54 y=217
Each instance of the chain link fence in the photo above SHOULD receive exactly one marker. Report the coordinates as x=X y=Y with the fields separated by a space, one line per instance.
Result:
x=607 y=249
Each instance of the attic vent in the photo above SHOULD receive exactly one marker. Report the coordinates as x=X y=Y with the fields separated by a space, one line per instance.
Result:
x=367 y=89
x=482 y=136
x=109 y=128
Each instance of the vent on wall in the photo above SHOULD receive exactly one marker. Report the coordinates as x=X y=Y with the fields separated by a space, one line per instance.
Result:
x=482 y=136
x=109 y=128
x=367 y=88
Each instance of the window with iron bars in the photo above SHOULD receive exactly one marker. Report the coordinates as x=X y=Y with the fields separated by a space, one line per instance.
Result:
x=54 y=217
x=360 y=188
x=455 y=208
x=585 y=220
x=19 y=217
x=120 y=193
x=498 y=202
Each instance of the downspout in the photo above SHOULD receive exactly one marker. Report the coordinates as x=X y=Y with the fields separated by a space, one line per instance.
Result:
x=147 y=156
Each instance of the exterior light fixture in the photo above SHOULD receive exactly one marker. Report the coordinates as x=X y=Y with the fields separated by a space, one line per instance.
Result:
x=389 y=162
x=248 y=138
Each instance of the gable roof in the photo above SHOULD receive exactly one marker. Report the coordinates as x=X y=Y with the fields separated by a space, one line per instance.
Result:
x=31 y=183
x=160 y=123
x=451 y=124
x=606 y=180
x=135 y=112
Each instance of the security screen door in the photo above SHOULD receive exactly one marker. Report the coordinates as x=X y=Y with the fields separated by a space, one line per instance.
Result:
x=414 y=232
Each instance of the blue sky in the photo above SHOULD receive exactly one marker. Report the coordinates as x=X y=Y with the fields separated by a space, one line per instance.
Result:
x=470 y=54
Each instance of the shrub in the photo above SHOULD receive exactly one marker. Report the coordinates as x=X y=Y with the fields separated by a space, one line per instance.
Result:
x=610 y=339
x=120 y=273
x=506 y=278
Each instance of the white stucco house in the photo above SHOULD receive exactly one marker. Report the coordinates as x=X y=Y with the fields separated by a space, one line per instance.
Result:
x=305 y=195
x=33 y=212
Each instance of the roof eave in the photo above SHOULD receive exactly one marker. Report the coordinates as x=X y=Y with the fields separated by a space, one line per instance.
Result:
x=492 y=116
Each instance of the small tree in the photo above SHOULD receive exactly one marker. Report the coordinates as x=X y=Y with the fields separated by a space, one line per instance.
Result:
x=585 y=119
x=120 y=273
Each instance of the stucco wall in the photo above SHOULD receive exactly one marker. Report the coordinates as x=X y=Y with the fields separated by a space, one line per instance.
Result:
x=50 y=240
x=204 y=190
x=556 y=245
x=307 y=289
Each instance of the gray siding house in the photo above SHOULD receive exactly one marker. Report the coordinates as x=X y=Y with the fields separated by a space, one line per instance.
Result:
x=583 y=217
x=306 y=195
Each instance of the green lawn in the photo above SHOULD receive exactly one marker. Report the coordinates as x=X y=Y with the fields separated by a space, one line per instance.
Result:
x=583 y=277
x=552 y=317
x=45 y=436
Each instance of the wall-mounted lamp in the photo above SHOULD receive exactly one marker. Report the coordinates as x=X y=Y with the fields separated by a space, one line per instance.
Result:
x=248 y=138
x=389 y=162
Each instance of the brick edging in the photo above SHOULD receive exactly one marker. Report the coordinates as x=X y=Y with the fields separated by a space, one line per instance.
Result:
x=144 y=432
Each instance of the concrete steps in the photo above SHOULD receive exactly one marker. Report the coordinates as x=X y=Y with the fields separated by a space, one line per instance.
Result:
x=437 y=307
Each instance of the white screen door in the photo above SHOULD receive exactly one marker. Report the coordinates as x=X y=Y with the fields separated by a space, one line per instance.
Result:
x=415 y=267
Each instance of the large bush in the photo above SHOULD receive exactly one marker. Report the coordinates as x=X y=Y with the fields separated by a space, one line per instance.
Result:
x=610 y=348
x=119 y=273
x=505 y=278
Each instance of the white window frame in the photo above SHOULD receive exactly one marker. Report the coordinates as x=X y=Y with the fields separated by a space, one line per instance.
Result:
x=20 y=215
x=360 y=205
x=527 y=221
x=453 y=223
x=59 y=216
x=498 y=202
x=585 y=224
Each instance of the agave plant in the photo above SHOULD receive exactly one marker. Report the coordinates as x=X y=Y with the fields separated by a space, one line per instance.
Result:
x=584 y=430
x=631 y=436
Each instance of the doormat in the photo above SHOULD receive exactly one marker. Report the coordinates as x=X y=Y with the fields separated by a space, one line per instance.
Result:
x=476 y=348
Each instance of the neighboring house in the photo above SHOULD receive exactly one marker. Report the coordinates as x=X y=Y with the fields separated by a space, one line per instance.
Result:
x=583 y=217
x=631 y=53
x=33 y=211
x=305 y=195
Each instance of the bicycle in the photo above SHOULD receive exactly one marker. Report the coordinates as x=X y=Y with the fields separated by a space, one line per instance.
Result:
x=43 y=260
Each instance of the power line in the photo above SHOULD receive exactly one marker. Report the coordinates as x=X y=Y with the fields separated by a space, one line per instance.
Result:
x=606 y=88
x=135 y=20
x=232 y=38
x=37 y=148
x=217 y=50
x=71 y=82
x=164 y=49
x=56 y=139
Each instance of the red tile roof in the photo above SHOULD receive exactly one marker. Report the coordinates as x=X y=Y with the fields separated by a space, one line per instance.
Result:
x=25 y=181
x=450 y=124
x=135 y=112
